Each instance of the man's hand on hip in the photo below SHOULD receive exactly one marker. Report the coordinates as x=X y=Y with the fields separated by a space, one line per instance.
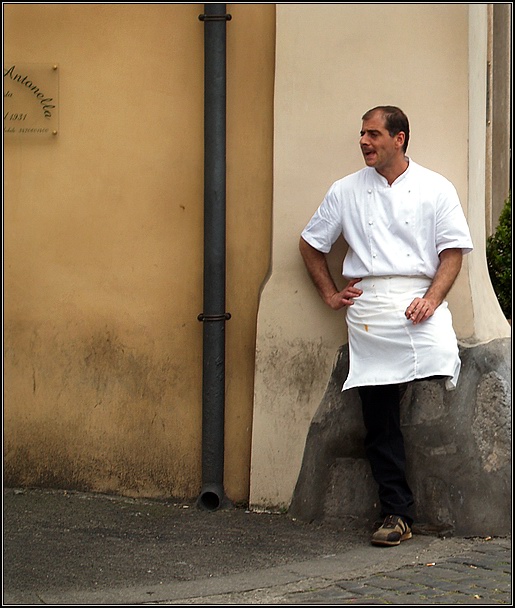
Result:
x=346 y=296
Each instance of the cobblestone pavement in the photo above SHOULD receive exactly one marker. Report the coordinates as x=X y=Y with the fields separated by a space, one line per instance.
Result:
x=480 y=576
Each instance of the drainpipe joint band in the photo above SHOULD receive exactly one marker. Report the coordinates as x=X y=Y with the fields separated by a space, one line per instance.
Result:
x=225 y=317
x=215 y=17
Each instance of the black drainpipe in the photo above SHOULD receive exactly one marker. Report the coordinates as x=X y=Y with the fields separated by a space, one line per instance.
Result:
x=212 y=495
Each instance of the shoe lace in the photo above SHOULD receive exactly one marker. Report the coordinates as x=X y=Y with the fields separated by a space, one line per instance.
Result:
x=391 y=521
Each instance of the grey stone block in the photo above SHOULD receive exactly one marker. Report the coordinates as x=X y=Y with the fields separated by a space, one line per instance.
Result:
x=458 y=446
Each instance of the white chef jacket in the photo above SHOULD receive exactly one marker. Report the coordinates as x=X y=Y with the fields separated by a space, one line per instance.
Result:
x=395 y=234
x=390 y=230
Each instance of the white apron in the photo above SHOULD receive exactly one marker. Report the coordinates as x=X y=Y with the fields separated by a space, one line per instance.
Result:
x=386 y=348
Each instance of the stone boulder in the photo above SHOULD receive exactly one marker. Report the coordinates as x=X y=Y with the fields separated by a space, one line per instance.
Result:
x=458 y=447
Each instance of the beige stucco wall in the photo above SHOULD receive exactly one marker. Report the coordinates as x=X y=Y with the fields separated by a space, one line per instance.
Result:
x=333 y=64
x=104 y=247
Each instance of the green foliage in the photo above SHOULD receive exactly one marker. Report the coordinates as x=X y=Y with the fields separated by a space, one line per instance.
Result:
x=498 y=257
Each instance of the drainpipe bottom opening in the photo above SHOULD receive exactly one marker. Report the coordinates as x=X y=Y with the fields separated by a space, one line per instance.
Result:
x=211 y=498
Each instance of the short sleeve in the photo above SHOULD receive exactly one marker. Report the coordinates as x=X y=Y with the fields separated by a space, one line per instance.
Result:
x=452 y=231
x=324 y=228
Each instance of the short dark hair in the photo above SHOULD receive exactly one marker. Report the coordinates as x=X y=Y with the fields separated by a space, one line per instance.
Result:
x=395 y=121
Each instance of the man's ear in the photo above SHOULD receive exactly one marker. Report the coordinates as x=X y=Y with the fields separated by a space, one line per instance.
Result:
x=399 y=139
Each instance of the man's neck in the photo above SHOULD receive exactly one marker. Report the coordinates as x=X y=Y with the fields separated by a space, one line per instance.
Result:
x=395 y=171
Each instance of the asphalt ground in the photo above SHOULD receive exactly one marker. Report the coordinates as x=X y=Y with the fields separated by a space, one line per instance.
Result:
x=73 y=548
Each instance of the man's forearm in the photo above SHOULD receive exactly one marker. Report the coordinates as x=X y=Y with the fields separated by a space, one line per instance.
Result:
x=316 y=263
x=318 y=270
x=448 y=270
x=423 y=308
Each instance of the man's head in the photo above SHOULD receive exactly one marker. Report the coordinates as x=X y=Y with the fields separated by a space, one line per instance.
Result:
x=384 y=139
x=395 y=121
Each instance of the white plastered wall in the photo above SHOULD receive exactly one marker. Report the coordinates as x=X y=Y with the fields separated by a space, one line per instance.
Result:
x=488 y=320
x=334 y=62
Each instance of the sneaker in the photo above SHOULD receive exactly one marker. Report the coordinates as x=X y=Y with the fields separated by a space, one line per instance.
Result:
x=393 y=530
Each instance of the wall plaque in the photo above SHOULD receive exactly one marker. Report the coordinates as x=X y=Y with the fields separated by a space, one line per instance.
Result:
x=31 y=99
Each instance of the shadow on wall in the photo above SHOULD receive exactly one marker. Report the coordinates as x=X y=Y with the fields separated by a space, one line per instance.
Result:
x=458 y=446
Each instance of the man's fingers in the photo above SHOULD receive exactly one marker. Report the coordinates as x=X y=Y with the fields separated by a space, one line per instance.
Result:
x=419 y=310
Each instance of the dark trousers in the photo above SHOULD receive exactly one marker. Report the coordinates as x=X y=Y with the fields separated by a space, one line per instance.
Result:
x=384 y=446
